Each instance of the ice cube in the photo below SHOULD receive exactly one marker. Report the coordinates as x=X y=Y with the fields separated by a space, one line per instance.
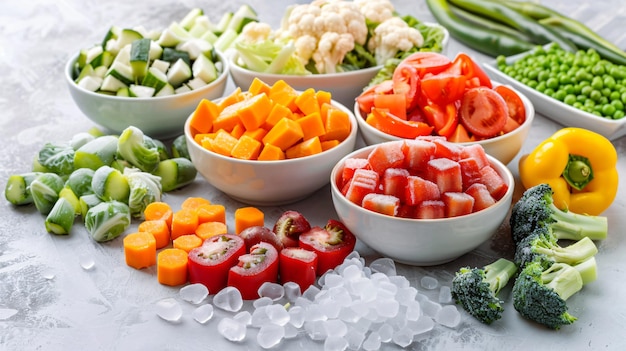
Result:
x=262 y=301
x=290 y=331
x=277 y=314
x=445 y=295
x=448 y=316
x=335 y=343
x=274 y=291
x=355 y=339
x=270 y=335
x=296 y=316
x=430 y=308
x=384 y=265
x=169 y=309
x=315 y=330
x=244 y=317
x=428 y=282
x=228 y=299
x=231 y=329
x=203 y=313
x=372 y=342
x=406 y=295
x=336 y=327
x=385 y=332
x=422 y=325
x=403 y=337
x=260 y=317
x=292 y=291
x=194 y=293
x=311 y=292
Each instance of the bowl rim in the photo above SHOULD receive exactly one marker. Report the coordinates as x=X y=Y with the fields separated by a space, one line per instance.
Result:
x=224 y=74
x=351 y=136
x=528 y=105
x=234 y=67
x=508 y=176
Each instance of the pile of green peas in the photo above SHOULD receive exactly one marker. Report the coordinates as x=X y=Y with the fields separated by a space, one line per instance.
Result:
x=580 y=79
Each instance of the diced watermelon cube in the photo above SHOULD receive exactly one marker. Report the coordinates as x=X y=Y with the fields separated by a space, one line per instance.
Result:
x=419 y=189
x=457 y=204
x=363 y=182
x=394 y=182
x=446 y=173
x=477 y=152
x=417 y=153
x=350 y=165
x=447 y=149
x=470 y=171
x=494 y=182
x=481 y=195
x=430 y=209
x=386 y=155
x=406 y=211
x=381 y=203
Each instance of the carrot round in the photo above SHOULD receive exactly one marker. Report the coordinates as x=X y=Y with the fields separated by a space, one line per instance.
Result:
x=247 y=217
x=194 y=202
x=140 y=250
x=211 y=213
x=184 y=221
x=172 y=267
x=187 y=242
x=158 y=210
x=208 y=229
x=159 y=229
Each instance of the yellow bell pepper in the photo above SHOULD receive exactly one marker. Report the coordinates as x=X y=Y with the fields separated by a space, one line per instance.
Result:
x=579 y=165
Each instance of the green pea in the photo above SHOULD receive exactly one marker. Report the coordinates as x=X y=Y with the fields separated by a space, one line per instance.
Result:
x=608 y=110
x=619 y=114
x=569 y=99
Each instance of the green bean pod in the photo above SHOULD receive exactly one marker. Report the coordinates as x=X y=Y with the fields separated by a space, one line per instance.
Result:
x=487 y=41
x=488 y=23
x=537 y=32
x=531 y=9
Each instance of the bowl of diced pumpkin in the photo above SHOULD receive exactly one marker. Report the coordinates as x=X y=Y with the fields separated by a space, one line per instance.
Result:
x=270 y=144
x=424 y=201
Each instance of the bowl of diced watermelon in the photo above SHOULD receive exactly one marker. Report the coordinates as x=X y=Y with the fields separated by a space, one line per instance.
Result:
x=422 y=202
x=258 y=151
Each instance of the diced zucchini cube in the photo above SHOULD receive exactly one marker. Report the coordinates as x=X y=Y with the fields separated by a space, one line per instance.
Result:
x=196 y=83
x=135 y=90
x=179 y=73
x=195 y=47
x=204 y=68
x=160 y=65
x=91 y=83
x=155 y=79
x=167 y=90
x=110 y=83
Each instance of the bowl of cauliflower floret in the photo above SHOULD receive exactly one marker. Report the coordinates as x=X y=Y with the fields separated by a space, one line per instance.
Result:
x=335 y=46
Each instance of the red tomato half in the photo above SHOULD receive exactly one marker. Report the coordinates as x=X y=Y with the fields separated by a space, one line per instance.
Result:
x=210 y=263
x=427 y=62
x=366 y=98
x=474 y=74
x=483 y=112
x=516 y=108
x=331 y=244
x=254 y=269
x=443 y=88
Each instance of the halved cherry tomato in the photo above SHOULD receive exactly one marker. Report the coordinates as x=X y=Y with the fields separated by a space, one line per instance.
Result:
x=253 y=269
x=395 y=103
x=465 y=66
x=442 y=117
x=332 y=244
x=443 y=88
x=516 y=108
x=483 y=112
x=386 y=122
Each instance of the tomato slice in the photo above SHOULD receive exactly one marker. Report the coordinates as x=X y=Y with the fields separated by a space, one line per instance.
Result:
x=406 y=82
x=514 y=103
x=443 y=88
x=427 y=62
x=386 y=122
x=253 y=269
x=465 y=66
x=332 y=244
x=483 y=112
x=442 y=117
x=395 y=103
x=366 y=98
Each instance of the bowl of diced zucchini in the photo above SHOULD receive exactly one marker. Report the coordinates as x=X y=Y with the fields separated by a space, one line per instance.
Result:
x=150 y=80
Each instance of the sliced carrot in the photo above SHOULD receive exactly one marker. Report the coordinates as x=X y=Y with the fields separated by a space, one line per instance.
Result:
x=312 y=125
x=140 y=250
x=208 y=229
x=187 y=242
x=184 y=221
x=211 y=213
x=306 y=148
x=329 y=144
x=223 y=143
x=246 y=148
x=159 y=210
x=172 y=267
x=336 y=125
x=159 y=229
x=277 y=113
x=193 y=202
x=283 y=93
x=258 y=86
x=271 y=153
x=203 y=116
x=246 y=217
x=307 y=102
x=284 y=134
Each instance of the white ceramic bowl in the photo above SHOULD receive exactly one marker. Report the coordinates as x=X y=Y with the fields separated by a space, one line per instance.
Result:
x=160 y=117
x=504 y=147
x=269 y=183
x=421 y=242
x=344 y=87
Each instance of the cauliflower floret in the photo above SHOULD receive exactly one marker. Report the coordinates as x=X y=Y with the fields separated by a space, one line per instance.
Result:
x=376 y=11
x=392 y=36
x=255 y=32
x=305 y=46
x=331 y=50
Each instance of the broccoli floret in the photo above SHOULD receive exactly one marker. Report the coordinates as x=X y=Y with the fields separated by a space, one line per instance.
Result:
x=536 y=208
x=543 y=246
x=476 y=289
x=540 y=294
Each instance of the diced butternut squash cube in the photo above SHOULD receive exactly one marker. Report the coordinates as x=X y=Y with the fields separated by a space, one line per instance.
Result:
x=329 y=144
x=307 y=102
x=253 y=111
x=337 y=125
x=246 y=148
x=203 y=116
x=271 y=153
x=283 y=93
x=238 y=130
x=277 y=113
x=235 y=96
x=284 y=134
x=312 y=125
x=258 y=86
x=323 y=97
x=257 y=134
x=223 y=143
x=306 y=148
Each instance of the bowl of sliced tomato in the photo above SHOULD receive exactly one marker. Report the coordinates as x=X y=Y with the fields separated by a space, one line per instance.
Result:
x=431 y=94
x=423 y=201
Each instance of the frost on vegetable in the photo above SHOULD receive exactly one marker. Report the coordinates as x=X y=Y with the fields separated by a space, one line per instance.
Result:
x=17 y=189
x=107 y=220
x=179 y=147
x=80 y=181
x=61 y=218
x=45 y=191
x=145 y=188
x=57 y=158
x=176 y=173
x=96 y=153
x=138 y=149
x=110 y=184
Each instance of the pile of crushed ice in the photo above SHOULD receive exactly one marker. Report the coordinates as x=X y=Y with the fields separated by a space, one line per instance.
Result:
x=352 y=307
